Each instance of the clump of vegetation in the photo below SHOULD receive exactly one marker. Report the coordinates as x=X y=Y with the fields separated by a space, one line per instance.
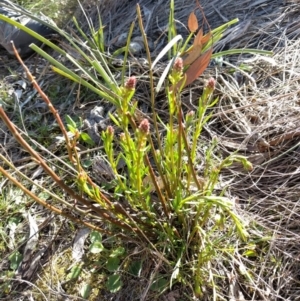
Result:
x=159 y=200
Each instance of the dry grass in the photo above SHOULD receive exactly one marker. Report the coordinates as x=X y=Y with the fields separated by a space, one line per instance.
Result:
x=257 y=116
x=261 y=121
x=265 y=24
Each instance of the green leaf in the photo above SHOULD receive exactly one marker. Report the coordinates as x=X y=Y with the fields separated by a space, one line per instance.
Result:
x=72 y=129
x=70 y=121
x=99 y=37
x=87 y=163
x=75 y=272
x=159 y=284
x=117 y=252
x=64 y=71
x=15 y=259
x=32 y=32
x=116 y=122
x=114 y=283
x=87 y=139
x=85 y=290
x=85 y=37
x=241 y=51
x=136 y=268
x=250 y=253
x=96 y=242
x=71 y=124
x=112 y=264
x=15 y=220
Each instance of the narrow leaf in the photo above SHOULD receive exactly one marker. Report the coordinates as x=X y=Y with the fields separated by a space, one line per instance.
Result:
x=166 y=49
x=70 y=121
x=87 y=139
x=164 y=74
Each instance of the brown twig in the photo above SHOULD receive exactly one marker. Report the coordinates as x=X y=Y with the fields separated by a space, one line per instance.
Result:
x=157 y=189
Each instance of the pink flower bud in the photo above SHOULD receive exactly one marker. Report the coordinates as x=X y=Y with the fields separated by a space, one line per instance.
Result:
x=144 y=126
x=178 y=65
x=131 y=82
x=190 y=114
x=211 y=84
x=110 y=130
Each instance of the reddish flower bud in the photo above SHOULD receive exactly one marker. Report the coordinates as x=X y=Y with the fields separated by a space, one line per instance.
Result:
x=190 y=114
x=110 y=130
x=211 y=84
x=178 y=65
x=189 y=118
x=131 y=82
x=144 y=126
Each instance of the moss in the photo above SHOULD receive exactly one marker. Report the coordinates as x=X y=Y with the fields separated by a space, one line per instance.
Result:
x=59 y=272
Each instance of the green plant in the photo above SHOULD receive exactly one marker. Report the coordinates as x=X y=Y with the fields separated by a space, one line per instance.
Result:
x=159 y=199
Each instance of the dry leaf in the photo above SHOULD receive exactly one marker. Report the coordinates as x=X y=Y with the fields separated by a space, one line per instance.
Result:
x=192 y=55
x=206 y=38
x=198 y=38
x=192 y=22
x=198 y=67
x=193 y=58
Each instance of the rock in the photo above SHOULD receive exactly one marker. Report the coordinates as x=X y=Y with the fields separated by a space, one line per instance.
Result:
x=21 y=39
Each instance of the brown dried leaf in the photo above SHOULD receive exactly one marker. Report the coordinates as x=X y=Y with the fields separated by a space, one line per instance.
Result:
x=206 y=38
x=192 y=22
x=198 y=38
x=197 y=67
x=194 y=52
x=192 y=55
